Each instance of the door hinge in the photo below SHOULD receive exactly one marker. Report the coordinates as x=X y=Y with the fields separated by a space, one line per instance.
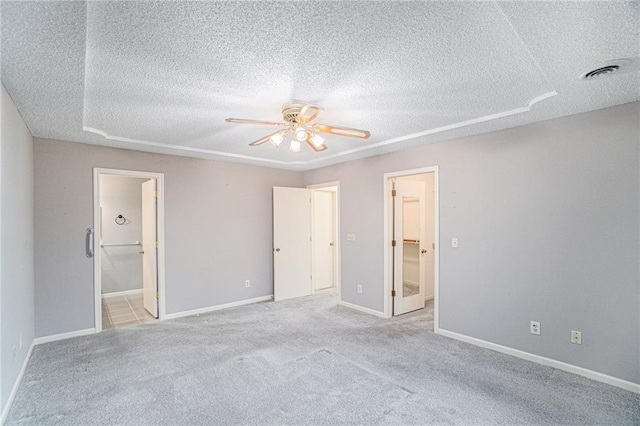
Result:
x=393 y=192
x=393 y=243
x=155 y=194
x=433 y=246
x=393 y=293
x=155 y=244
x=157 y=295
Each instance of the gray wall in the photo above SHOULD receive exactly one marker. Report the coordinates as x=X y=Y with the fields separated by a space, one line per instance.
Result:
x=121 y=265
x=218 y=229
x=16 y=224
x=547 y=217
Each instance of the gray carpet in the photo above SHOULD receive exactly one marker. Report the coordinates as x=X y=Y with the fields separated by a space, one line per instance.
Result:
x=304 y=361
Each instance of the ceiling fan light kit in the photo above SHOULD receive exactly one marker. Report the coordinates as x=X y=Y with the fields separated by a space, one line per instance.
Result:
x=277 y=138
x=295 y=146
x=297 y=118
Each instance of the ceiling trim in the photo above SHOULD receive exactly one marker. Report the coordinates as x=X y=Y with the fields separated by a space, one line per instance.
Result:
x=444 y=128
x=324 y=158
x=187 y=148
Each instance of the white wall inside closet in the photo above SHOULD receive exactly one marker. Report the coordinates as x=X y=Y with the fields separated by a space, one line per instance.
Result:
x=121 y=261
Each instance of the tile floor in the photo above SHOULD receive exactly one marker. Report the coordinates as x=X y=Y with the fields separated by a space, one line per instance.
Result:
x=121 y=311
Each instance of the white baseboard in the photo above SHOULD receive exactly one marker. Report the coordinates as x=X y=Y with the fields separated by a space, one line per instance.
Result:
x=361 y=309
x=121 y=293
x=61 y=336
x=16 y=385
x=570 y=368
x=217 y=307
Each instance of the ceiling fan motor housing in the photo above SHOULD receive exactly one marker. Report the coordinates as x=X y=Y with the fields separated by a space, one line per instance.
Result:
x=290 y=111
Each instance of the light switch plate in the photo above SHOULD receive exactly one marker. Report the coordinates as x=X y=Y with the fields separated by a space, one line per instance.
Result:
x=351 y=237
x=454 y=243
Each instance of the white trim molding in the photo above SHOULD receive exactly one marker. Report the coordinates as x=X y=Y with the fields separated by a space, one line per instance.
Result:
x=361 y=309
x=62 y=336
x=303 y=165
x=16 y=385
x=570 y=368
x=121 y=293
x=218 y=307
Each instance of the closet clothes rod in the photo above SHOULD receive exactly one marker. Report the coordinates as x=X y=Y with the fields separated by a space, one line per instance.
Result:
x=136 y=243
x=409 y=241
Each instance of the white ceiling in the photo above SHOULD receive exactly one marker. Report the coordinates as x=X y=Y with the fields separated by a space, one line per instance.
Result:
x=163 y=76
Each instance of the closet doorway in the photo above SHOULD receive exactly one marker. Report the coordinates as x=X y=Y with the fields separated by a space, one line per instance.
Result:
x=128 y=243
x=411 y=241
x=306 y=249
x=324 y=236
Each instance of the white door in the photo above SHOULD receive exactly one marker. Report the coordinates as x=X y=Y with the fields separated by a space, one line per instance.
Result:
x=323 y=239
x=291 y=242
x=149 y=249
x=409 y=234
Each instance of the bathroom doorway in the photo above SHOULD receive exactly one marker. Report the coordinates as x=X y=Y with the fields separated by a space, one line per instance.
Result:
x=129 y=255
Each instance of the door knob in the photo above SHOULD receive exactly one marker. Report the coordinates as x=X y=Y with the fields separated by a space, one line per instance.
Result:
x=277 y=249
x=423 y=251
x=331 y=244
x=140 y=252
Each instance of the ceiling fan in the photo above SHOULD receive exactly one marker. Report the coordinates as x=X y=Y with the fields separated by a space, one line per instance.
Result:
x=298 y=117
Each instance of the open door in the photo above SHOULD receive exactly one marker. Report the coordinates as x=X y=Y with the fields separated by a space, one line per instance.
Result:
x=324 y=235
x=291 y=242
x=149 y=247
x=410 y=247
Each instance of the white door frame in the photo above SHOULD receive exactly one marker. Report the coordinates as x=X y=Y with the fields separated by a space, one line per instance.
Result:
x=97 y=262
x=335 y=184
x=388 y=258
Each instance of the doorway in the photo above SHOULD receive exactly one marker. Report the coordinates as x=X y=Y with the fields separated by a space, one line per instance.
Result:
x=128 y=247
x=411 y=241
x=306 y=248
x=324 y=237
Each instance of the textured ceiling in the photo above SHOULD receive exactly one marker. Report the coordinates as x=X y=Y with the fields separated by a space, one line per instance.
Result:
x=162 y=76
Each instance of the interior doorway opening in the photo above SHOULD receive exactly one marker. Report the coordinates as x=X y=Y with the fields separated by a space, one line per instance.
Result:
x=128 y=248
x=306 y=247
x=324 y=238
x=411 y=242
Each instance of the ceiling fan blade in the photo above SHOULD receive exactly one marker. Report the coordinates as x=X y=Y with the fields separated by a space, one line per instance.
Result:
x=259 y=122
x=308 y=113
x=266 y=138
x=321 y=148
x=342 y=131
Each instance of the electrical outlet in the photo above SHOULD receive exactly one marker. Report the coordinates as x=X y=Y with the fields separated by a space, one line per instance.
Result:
x=454 y=243
x=247 y=283
x=359 y=288
x=535 y=327
x=576 y=337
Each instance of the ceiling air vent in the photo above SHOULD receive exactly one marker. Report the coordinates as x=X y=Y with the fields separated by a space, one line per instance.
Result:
x=604 y=70
x=601 y=72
